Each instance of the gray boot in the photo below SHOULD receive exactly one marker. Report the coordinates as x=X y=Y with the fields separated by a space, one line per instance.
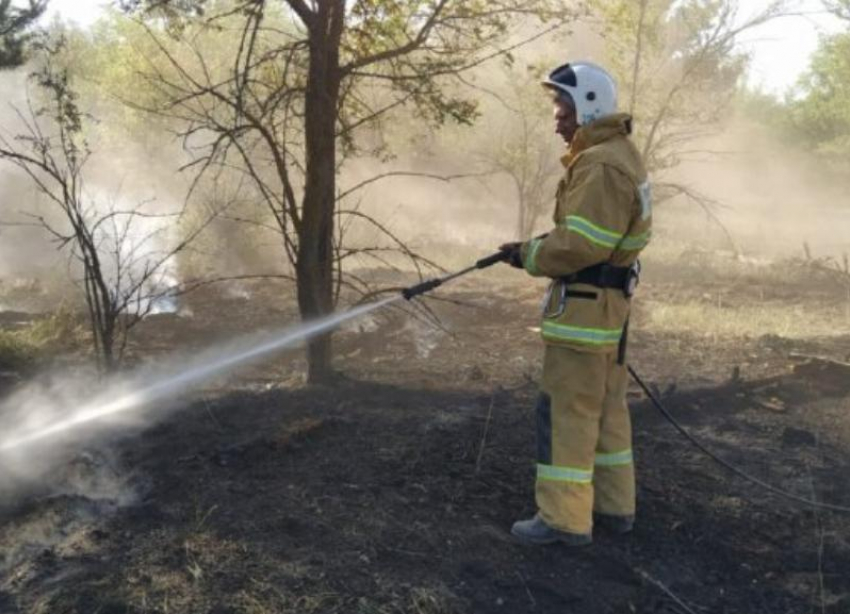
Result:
x=536 y=532
x=615 y=524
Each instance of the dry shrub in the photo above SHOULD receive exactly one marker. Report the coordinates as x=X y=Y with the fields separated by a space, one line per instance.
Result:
x=39 y=340
x=15 y=353
x=60 y=331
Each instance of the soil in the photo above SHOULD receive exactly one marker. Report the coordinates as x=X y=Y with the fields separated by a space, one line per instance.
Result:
x=393 y=491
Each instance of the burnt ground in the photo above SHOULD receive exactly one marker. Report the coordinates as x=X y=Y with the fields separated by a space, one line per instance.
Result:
x=393 y=491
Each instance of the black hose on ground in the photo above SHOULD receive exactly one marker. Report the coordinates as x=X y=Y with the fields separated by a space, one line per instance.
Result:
x=737 y=471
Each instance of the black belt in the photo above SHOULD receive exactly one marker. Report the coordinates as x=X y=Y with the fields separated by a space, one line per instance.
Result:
x=607 y=276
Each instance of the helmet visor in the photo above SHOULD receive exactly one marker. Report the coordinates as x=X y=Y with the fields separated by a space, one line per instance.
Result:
x=563 y=75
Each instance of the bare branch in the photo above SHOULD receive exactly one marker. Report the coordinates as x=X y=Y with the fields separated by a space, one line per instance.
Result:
x=706 y=203
x=387 y=175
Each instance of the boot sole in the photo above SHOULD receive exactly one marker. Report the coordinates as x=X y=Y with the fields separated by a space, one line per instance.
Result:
x=616 y=527
x=547 y=541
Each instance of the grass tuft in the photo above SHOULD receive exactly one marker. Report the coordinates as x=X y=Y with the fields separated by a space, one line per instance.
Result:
x=43 y=338
x=746 y=321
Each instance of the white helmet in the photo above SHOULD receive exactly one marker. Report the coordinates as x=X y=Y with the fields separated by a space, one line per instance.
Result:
x=592 y=89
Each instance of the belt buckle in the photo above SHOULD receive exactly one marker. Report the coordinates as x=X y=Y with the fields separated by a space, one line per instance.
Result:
x=561 y=306
x=632 y=280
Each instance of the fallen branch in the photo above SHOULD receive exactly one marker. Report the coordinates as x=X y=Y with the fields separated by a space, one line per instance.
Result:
x=434 y=176
x=658 y=584
x=486 y=431
x=819 y=359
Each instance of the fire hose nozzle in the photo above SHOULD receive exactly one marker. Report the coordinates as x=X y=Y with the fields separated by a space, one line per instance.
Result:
x=425 y=286
x=501 y=256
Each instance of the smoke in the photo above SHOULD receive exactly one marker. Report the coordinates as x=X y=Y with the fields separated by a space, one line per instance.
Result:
x=476 y=210
x=46 y=423
x=133 y=200
x=765 y=195
x=772 y=199
x=765 y=198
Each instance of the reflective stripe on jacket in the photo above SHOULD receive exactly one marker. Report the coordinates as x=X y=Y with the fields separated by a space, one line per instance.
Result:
x=603 y=213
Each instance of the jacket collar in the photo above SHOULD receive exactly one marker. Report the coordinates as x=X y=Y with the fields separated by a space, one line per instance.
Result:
x=606 y=128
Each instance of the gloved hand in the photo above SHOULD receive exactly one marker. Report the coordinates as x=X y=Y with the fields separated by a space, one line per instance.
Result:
x=513 y=254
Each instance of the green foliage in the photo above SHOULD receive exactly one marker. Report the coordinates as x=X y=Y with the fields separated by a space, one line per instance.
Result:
x=15 y=353
x=820 y=115
x=767 y=110
x=458 y=34
x=394 y=54
x=815 y=115
x=175 y=12
x=677 y=66
x=15 y=29
x=40 y=340
x=112 y=55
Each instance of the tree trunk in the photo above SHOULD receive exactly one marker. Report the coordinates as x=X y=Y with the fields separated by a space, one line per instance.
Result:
x=637 y=59
x=315 y=246
x=520 y=220
x=110 y=364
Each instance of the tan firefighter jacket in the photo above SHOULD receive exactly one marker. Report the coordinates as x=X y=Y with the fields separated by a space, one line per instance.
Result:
x=603 y=213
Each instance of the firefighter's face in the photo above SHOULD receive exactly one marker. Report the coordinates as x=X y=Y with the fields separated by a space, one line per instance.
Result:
x=566 y=121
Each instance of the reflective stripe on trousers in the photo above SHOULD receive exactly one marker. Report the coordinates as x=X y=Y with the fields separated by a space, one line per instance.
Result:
x=584 y=455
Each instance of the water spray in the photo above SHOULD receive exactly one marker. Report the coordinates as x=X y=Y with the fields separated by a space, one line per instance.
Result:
x=38 y=420
x=136 y=397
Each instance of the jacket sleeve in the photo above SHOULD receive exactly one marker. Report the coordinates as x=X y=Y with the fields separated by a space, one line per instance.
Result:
x=594 y=215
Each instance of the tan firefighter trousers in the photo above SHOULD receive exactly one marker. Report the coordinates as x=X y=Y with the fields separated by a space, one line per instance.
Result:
x=584 y=440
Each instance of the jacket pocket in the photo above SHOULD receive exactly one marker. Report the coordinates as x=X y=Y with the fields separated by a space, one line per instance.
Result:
x=587 y=325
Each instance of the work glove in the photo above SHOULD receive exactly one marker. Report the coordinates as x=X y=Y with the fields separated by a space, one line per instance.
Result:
x=513 y=254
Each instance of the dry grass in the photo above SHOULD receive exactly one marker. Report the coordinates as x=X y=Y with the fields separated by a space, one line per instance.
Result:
x=717 y=320
x=689 y=262
x=264 y=598
x=42 y=338
x=723 y=295
x=432 y=601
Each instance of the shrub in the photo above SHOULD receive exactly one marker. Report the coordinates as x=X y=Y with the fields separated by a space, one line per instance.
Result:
x=40 y=339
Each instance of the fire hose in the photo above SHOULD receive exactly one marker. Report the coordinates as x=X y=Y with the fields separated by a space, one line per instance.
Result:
x=502 y=256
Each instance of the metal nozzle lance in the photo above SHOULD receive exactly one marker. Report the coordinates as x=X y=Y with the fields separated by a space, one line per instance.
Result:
x=425 y=286
x=496 y=258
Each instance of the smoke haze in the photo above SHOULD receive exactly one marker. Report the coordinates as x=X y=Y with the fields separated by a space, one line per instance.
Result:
x=43 y=424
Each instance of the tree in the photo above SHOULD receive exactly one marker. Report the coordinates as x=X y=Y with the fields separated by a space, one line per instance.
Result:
x=523 y=148
x=814 y=116
x=123 y=273
x=840 y=8
x=819 y=115
x=15 y=26
x=308 y=80
x=678 y=64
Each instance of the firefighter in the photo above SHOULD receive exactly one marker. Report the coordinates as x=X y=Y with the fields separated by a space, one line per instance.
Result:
x=585 y=471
